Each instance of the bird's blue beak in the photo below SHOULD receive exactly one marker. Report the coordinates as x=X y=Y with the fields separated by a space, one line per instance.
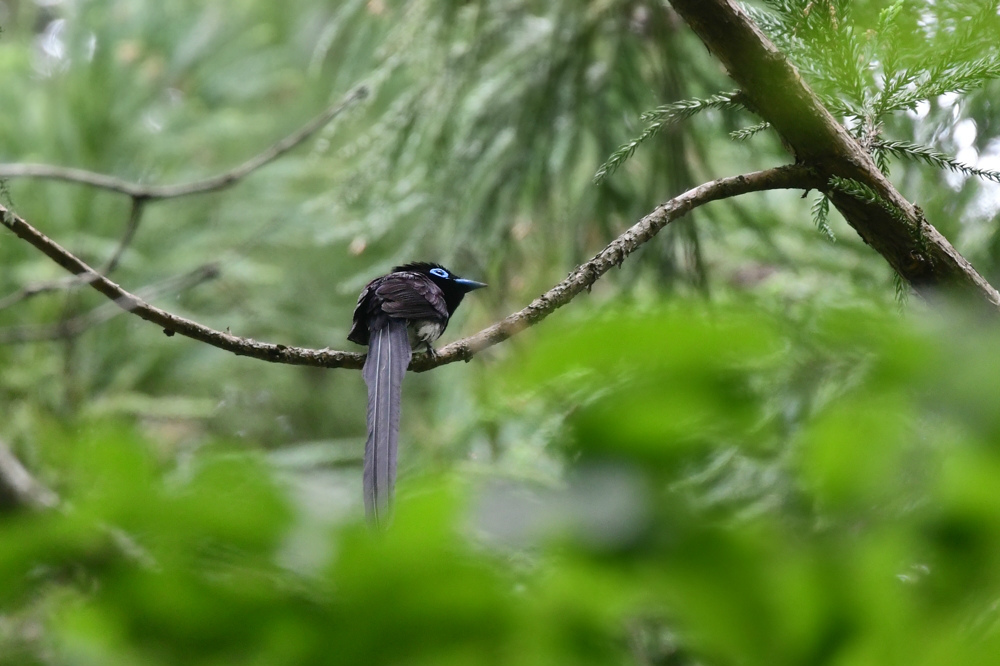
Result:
x=470 y=285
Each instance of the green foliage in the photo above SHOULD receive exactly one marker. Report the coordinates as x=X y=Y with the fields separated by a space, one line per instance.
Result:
x=869 y=61
x=934 y=158
x=647 y=483
x=744 y=486
x=865 y=74
x=749 y=132
x=507 y=98
x=857 y=547
x=873 y=59
x=821 y=216
x=902 y=290
x=664 y=116
x=863 y=192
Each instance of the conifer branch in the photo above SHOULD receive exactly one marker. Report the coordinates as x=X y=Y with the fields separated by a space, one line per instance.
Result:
x=821 y=216
x=959 y=77
x=746 y=132
x=664 y=116
x=683 y=109
x=775 y=90
x=858 y=190
x=934 y=158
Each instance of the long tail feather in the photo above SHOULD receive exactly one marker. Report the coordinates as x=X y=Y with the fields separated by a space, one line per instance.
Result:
x=388 y=357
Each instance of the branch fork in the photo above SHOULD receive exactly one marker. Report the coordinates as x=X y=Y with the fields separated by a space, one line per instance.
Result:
x=579 y=280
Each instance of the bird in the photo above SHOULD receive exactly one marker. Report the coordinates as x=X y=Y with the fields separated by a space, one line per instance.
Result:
x=406 y=309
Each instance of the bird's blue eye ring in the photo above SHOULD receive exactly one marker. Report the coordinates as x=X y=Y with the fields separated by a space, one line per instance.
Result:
x=440 y=272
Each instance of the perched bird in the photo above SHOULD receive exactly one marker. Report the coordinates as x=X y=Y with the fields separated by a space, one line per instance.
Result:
x=396 y=313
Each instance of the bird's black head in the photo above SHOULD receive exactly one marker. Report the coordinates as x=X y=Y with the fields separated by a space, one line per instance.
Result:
x=452 y=286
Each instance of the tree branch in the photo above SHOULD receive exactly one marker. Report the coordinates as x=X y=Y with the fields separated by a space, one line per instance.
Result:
x=172 y=323
x=18 y=488
x=583 y=277
x=134 y=218
x=32 y=290
x=76 y=325
x=775 y=91
x=141 y=194
x=212 y=184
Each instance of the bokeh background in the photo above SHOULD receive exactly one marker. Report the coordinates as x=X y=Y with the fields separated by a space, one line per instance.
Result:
x=746 y=446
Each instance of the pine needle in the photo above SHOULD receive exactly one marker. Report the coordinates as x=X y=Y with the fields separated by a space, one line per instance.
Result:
x=661 y=117
x=928 y=155
x=747 y=132
x=821 y=216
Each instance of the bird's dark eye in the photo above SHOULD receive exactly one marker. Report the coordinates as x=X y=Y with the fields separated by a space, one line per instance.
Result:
x=440 y=272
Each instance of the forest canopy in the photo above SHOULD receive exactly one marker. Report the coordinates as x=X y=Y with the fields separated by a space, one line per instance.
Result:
x=728 y=397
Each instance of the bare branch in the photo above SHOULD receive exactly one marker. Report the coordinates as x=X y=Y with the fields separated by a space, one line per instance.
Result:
x=74 y=326
x=172 y=323
x=585 y=275
x=141 y=194
x=32 y=290
x=582 y=278
x=218 y=182
x=18 y=488
x=134 y=218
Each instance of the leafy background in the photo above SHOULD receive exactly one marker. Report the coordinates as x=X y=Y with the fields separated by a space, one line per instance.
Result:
x=737 y=449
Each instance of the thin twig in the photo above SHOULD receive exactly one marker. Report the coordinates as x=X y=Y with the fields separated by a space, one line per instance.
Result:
x=18 y=488
x=134 y=218
x=786 y=177
x=141 y=194
x=63 y=283
x=585 y=275
x=212 y=184
x=75 y=325
x=32 y=290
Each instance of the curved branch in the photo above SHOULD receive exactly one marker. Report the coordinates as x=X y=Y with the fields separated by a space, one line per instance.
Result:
x=212 y=184
x=776 y=92
x=586 y=274
x=32 y=290
x=583 y=277
x=172 y=323
x=141 y=194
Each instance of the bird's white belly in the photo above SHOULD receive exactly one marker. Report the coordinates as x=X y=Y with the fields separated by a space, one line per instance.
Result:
x=425 y=331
